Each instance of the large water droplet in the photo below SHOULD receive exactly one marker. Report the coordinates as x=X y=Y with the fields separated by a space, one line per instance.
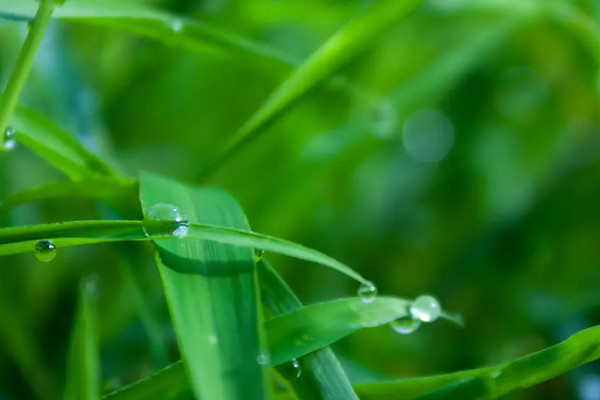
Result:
x=45 y=251
x=425 y=308
x=165 y=219
x=291 y=370
x=367 y=291
x=9 y=139
x=405 y=325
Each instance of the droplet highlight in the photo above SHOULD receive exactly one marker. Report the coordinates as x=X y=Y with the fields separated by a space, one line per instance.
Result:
x=425 y=308
x=45 y=251
x=405 y=325
x=9 y=139
x=263 y=359
x=367 y=291
x=164 y=219
x=291 y=370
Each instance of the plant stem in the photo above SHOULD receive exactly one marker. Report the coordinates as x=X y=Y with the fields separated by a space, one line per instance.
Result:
x=17 y=80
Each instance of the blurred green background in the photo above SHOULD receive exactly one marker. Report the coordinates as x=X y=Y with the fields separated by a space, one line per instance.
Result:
x=459 y=156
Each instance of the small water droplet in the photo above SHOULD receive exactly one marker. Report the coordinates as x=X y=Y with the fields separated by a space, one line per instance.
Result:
x=425 y=308
x=367 y=291
x=258 y=255
x=177 y=25
x=45 y=251
x=263 y=359
x=9 y=139
x=165 y=219
x=291 y=370
x=385 y=120
x=405 y=325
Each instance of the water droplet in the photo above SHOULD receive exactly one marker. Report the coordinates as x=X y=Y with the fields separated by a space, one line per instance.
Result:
x=45 y=251
x=177 y=25
x=263 y=359
x=405 y=325
x=258 y=255
x=367 y=291
x=428 y=136
x=165 y=219
x=9 y=139
x=385 y=120
x=291 y=370
x=425 y=308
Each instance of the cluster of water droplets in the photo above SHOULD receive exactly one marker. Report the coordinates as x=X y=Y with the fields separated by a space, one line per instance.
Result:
x=164 y=219
x=423 y=309
x=9 y=139
x=44 y=250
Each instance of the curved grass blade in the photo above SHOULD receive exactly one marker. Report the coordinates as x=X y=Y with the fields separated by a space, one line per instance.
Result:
x=67 y=234
x=142 y=20
x=109 y=190
x=291 y=335
x=212 y=295
x=494 y=381
x=83 y=363
x=57 y=147
x=322 y=375
x=335 y=52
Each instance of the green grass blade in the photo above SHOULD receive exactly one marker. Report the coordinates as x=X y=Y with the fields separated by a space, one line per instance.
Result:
x=322 y=375
x=212 y=295
x=56 y=146
x=335 y=52
x=83 y=364
x=293 y=335
x=17 y=240
x=109 y=190
x=494 y=381
x=141 y=20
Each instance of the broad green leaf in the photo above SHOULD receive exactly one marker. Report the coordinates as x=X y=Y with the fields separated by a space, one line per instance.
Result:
x=83 y=363
x=322 y=375
x=57 y=147
x=212 y=295
x=66 y=234
x=335 y=52
x=291 y=335
x=110 y=190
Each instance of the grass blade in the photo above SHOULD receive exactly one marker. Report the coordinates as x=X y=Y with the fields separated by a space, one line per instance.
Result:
x=18 y=240
x=334 y=53
x=83 y=364
x=494 y=381
x=291 y=335
x=109 y=190
x=57 y=147
x=322 y=375
x=212 y=296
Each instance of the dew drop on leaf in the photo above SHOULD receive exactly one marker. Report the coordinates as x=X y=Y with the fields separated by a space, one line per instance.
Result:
x=367 y=291
x=9 y=139
x=405 y=325
x=165 y=219
x=291 y=370
x=425 y=308
x=45 y=251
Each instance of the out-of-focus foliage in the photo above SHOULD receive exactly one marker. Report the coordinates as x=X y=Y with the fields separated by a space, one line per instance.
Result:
x=460 y=156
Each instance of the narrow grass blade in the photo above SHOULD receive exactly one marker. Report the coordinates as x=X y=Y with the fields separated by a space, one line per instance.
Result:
x=16 y=82
x=212 y=295
x=292 y=335
x=66 y=234
x=339 y=49
x=57 y=147
x=494 y=381
x=322 y=375
x=109 y=190
x=83 y=364
x=142 y=20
